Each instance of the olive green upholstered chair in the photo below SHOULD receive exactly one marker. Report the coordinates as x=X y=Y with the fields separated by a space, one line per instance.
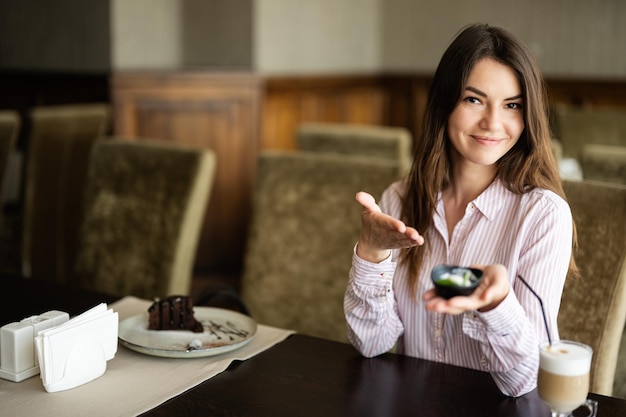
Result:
x=596 y=138
x=619 y=385
x=144 y=206
x=593 y=307
x=557 y=149
x=57 y=157
x=305 y=223
x=577 y=127
x=392 y=143
x=604 y=163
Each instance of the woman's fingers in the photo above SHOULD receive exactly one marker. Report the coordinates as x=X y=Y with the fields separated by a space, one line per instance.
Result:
x=375 y=220
x=367 y=201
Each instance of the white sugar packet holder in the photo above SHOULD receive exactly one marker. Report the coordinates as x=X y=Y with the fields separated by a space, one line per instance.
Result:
x=77 y=351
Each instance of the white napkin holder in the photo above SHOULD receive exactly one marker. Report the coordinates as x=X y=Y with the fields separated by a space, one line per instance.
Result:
x=77 y=351
x=18 y=360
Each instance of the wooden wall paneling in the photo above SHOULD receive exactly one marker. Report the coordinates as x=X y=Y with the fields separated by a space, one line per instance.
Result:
x=401 y=107
x=587 y=93
x=289 y=101
x=365 y=106
x=280 y=115
x=419 y=89
x=216 y=112
x=362 y=105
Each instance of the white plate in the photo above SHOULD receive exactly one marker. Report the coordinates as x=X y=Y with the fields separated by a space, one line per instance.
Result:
x=224 y=330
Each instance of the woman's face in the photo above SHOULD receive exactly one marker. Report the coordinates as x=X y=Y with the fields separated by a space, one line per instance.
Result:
x=489 y=117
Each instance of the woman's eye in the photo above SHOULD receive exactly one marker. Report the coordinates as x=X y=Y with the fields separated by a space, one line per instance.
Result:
x=472 y=100
x=515 y=106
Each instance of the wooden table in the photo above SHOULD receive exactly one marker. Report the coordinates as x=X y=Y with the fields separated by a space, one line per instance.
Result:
x=307 y=376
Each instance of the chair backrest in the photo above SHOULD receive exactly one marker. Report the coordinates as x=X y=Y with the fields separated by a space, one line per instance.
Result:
x=576 y=128
x=305 y=223
x=604 y=163
x=619 y=385
x=593 y=308
x=144 y=207
x=392 y=143
x=58 y=150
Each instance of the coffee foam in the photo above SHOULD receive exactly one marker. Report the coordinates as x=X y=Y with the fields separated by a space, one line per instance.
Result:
x=567 y=359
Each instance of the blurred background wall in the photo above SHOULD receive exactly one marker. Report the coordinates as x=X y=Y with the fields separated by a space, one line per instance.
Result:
x=58 y=35
x=569 y=37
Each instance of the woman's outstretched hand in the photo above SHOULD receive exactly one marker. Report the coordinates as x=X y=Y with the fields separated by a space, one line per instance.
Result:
x=488 y=295
x=380 y=233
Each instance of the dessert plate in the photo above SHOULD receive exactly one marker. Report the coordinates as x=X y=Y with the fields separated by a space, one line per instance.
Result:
x=224 y=330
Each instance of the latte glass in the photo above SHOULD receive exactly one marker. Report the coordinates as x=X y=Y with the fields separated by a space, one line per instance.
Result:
x=563 y=380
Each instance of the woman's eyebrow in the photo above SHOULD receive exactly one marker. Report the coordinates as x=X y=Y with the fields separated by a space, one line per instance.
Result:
x=476 y=91
x=483 y=94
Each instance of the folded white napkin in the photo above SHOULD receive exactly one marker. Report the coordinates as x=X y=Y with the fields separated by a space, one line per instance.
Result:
x=77 y=351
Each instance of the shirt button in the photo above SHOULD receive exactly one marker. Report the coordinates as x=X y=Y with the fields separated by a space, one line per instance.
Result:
x=438 y=333
x=483 y=362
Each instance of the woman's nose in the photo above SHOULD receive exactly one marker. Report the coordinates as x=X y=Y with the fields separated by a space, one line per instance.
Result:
x=491 y=119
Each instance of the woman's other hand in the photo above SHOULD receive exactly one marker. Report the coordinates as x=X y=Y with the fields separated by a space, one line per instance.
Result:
x=380 y=233
x=487 y=296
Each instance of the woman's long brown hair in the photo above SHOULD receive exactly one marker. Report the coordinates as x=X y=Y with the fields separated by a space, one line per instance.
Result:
x=529 y=164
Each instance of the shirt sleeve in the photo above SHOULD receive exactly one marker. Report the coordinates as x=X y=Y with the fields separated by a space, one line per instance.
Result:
x=370 y=308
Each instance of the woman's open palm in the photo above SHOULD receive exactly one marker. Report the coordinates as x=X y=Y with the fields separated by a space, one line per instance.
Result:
x=381 y=232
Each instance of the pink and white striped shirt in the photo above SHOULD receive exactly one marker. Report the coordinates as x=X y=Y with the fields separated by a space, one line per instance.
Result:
x=530 y=234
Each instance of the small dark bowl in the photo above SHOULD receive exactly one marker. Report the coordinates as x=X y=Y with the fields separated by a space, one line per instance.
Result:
x=447 y=289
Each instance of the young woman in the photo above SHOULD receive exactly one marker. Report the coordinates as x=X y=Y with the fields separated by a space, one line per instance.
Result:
x=483 y=191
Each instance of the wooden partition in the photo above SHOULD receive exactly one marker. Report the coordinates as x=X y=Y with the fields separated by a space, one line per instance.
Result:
x=587 y=93
x=378 y=100
x=236 y=115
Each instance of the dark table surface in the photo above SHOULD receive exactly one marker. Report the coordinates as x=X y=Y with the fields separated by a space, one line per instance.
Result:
x=307 y=376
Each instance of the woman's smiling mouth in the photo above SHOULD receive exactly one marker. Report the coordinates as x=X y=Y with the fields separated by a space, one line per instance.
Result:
x=484 y=140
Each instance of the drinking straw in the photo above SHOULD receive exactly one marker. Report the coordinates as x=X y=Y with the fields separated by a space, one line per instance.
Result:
x=543 y=311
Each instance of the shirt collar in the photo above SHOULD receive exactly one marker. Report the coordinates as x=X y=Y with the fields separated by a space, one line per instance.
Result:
x=490 y=201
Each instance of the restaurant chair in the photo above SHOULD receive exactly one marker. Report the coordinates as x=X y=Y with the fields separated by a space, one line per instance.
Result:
x=604 y=163
x=145 y=203
x=596 y=139
x=392 y=143
x=578 y=127
x=305 y=223
x=57 y=157
x=593 y=307
x=619 y=386
x=557 y=149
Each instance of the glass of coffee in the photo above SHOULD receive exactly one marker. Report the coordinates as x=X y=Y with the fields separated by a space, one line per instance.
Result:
x=563 y=380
